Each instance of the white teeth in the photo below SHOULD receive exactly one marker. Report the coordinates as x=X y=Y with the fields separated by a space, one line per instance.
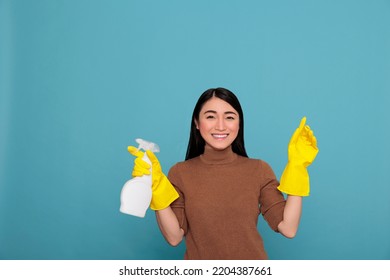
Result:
x=220 y=136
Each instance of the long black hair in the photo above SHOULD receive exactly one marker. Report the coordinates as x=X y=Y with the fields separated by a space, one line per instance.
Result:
x=196 y=143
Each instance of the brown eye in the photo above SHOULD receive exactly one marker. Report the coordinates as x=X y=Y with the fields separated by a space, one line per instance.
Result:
x=230 y=118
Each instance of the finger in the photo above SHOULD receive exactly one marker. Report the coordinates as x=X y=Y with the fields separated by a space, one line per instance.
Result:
x=134 y=151
x=307 y=135
x=306 y=132
x=140 y=163
x=152 y=157
x=310 y=138
x=298 y=131
x=309 y=132
x=302 y=123
x=154 y=160
x=139 y=171
x=315 y=142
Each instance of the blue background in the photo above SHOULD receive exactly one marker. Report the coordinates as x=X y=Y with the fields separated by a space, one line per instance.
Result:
x=80 y=80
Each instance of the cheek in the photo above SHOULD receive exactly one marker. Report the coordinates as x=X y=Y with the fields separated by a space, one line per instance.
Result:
x=203 y=127
x=234 y=127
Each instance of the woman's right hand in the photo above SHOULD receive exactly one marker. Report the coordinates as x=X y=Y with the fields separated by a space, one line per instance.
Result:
x=141 y=167
x=163 y=193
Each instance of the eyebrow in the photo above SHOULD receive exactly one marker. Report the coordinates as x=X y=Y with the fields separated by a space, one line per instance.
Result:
x=214 y=112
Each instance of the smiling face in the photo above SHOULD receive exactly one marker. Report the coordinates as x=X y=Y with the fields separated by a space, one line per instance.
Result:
x=218 y=123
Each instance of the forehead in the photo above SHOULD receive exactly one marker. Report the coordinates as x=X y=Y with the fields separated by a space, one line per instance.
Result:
x=218 y=105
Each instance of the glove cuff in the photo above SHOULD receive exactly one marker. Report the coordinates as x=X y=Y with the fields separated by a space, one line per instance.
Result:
x=295 y=180
x=163 y=195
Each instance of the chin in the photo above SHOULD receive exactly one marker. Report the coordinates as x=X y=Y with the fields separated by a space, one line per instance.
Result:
x=220 y=147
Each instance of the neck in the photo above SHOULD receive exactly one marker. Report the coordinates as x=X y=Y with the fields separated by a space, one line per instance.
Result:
x=212 y=156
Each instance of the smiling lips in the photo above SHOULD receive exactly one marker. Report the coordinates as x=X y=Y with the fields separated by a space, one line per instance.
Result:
x=220 y=136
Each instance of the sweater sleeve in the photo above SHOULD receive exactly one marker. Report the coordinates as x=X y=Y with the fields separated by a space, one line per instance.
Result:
x=178 y=206
x=271 y=200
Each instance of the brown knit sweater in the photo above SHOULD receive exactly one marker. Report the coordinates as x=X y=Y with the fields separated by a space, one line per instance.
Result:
x=221 y=197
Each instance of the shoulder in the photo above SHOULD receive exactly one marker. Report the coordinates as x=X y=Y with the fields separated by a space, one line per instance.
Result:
x=183 y=166
x=257 y=164
x=252 y=161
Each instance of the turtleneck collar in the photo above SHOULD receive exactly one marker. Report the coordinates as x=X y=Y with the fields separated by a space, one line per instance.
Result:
x=211 y=156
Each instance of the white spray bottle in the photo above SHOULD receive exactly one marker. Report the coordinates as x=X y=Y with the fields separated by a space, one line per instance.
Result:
x=137 y=192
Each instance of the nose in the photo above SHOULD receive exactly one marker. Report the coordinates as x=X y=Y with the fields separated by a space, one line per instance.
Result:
x=220 y=125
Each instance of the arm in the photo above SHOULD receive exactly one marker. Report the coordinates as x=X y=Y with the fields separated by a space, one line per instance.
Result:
x=302 y=151
x=163 y=194
x=291 y=216
x=169 y=226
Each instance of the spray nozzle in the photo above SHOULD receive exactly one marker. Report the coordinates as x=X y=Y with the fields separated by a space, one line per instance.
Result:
x=146 y=145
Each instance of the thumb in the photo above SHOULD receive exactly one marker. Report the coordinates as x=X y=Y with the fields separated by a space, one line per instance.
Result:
x=298 y=131
x=152 y=157
x=155 y=162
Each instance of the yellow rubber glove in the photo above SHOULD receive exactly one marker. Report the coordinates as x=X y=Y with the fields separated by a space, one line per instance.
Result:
x=163 y=193
x=302 y=151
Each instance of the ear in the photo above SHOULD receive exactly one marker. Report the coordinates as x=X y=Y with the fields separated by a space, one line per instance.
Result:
x=196 y=124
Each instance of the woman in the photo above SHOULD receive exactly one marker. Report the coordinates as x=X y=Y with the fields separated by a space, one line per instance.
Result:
x=215 y=196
